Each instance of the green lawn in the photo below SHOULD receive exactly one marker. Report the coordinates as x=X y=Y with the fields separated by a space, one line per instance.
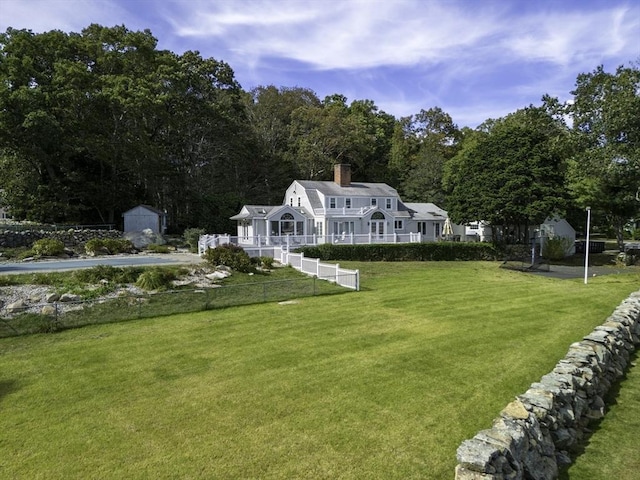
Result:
x=612 y=450
x=384 y=383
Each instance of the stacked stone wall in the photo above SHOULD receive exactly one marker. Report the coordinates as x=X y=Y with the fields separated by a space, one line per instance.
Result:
x=534 y=434
x=71 y=238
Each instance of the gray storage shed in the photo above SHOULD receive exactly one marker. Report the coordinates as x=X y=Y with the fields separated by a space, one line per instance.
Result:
x=145 y=217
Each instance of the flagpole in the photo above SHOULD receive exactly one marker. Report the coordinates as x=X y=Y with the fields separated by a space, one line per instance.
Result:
x=586 y=247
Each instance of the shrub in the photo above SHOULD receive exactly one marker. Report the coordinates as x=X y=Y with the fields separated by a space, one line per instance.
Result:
x=107 y=272
x=118 y=245
x=191 y=237
x=48 y=247
x=432 y=251
x=266 y=262
x=230 y=256
x=108 y=246
x=158 y=248
x=155 y=279
x=556 y=248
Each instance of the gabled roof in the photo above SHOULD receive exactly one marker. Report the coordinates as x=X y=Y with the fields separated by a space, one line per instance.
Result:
x=146 y=207
x=353 y=190
x=264 y=211
x=254 y=211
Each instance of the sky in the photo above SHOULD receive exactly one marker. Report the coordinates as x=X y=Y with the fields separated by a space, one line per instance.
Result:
x=474 y=59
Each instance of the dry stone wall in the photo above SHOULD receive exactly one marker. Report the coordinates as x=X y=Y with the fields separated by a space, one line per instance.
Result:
x=535 y=433
x=71 y=237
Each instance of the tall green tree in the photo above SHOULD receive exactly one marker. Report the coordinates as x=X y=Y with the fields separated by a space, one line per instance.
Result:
x=605 y=172
x=509 y=173
x=93 y=123
x=270 y=111
x=334 y=132
x=422 y=144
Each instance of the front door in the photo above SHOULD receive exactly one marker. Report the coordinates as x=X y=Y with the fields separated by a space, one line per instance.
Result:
x=377 y=229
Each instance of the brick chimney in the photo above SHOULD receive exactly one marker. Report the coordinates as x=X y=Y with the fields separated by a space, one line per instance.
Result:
x=342 y=174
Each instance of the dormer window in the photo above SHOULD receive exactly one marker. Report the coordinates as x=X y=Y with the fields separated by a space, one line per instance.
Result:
x=388 y=204
x=374 y=202
x=347 y=203
x=332 y=202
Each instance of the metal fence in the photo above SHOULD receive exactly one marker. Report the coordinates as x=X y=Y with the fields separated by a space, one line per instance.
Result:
x=51 y=317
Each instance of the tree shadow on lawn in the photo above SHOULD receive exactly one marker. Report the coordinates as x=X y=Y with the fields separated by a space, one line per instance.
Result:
x=7 y=387
x=610 y=399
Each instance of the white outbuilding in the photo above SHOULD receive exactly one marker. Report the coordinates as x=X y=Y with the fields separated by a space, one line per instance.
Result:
x=144 y=217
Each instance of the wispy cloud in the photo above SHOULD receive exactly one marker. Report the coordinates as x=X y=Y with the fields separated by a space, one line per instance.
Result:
x=469 y=57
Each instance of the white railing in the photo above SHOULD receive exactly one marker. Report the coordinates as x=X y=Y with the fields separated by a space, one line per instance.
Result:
x=310 y=266
x=292 y=241
x=324 y=271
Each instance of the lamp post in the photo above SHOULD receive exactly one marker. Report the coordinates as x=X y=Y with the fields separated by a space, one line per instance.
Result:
x=586 y=247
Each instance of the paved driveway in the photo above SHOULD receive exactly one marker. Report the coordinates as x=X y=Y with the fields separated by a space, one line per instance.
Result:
x=7 y=268
x=566 y=272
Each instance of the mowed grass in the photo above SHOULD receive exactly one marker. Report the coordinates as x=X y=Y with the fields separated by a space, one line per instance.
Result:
x=379 y=384
x=611 y=452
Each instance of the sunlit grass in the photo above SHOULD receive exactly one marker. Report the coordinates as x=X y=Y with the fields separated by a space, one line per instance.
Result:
x=384 y=383
x=612 y=450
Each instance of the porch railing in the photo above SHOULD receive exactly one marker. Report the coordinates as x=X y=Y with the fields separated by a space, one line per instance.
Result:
x=293 y=241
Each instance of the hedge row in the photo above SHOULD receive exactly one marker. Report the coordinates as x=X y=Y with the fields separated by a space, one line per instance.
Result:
x=403 y=252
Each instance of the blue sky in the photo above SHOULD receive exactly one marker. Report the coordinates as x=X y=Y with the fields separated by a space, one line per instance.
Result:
x=475 y=59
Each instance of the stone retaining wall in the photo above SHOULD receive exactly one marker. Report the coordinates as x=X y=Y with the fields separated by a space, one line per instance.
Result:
x=535 y=433
x=71 y=237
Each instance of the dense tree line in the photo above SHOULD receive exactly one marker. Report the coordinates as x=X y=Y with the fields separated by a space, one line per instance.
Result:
x=93 y=123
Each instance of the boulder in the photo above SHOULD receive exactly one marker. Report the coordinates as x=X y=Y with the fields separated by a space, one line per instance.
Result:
x=48 y=310
x=69 y=297
x=218 y=275
x=144 y=238
x=17 y=306
x=52 y=297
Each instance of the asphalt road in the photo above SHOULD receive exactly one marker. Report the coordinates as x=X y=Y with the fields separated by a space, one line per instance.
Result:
x=7 y=268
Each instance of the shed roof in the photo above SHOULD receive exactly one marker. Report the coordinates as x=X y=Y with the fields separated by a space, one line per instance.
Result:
x=146 y=207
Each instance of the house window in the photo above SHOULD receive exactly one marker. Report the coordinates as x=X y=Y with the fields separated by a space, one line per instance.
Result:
x=473 y=226
x=374 y=202
x=299 y=200
x=343 y=228
x=398 y=225
x=319 y=228
x=291 y=201
x=332 y=202
x=388 y=204
x=437 y=229
x=286 y=226
x=347 y=203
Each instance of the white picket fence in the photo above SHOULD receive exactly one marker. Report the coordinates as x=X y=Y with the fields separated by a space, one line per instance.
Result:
x=324 y=271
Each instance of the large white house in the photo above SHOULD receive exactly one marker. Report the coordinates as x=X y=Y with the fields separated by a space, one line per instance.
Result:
x=339 y=211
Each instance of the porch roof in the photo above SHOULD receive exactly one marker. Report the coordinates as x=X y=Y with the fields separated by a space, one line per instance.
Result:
x=254 y=211
x=426 y=211
x=264 y=211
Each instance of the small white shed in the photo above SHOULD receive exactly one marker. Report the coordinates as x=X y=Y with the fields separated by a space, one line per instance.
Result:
x=145 y=217
x=559 y=227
